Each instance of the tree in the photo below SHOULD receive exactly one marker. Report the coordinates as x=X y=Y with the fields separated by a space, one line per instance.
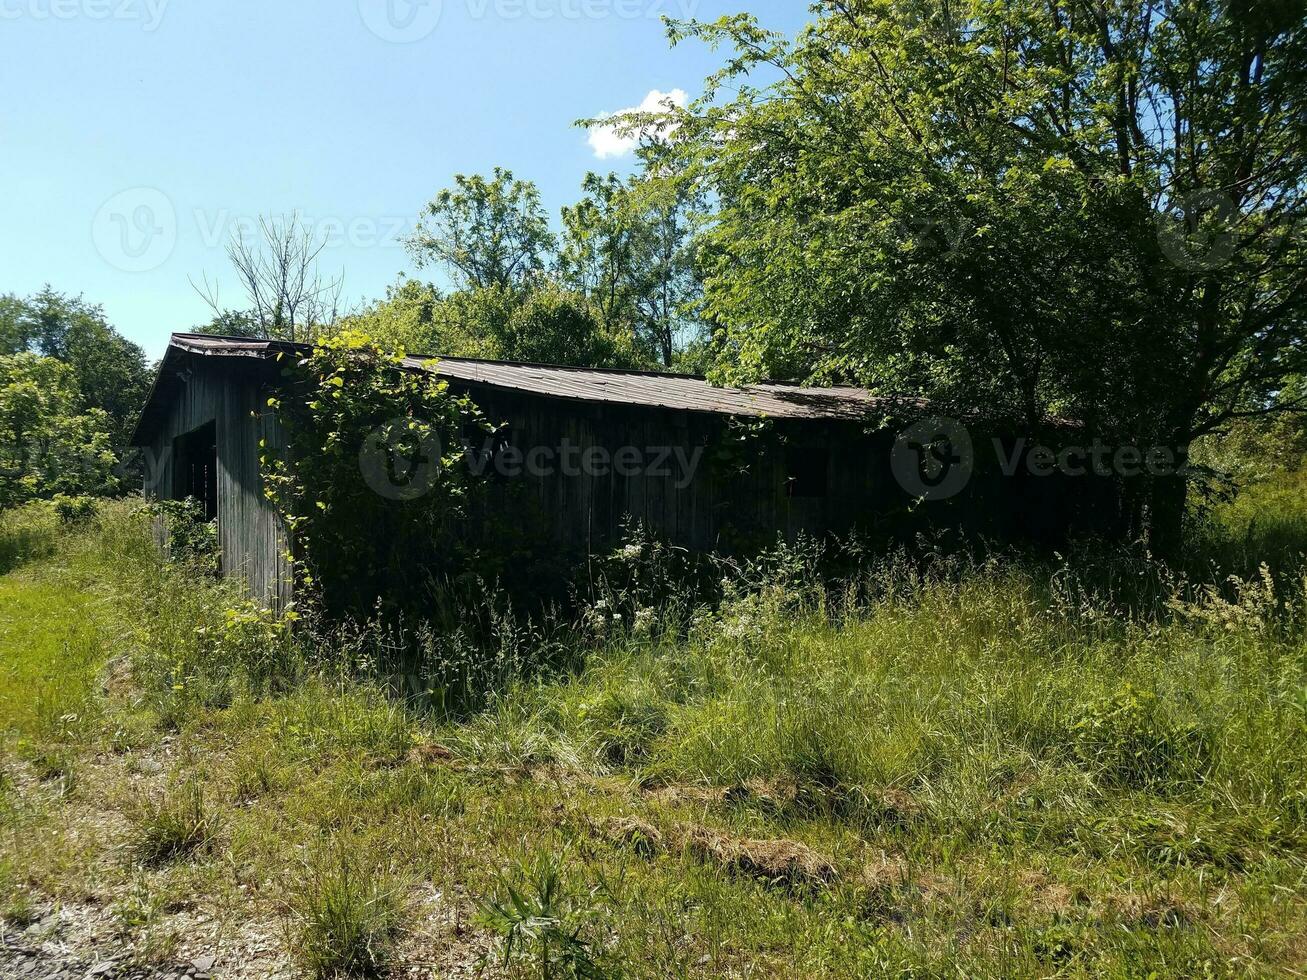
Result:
x=289 y=298
x=232 y=323
x=628 y=247
x=488 y=233
x=601 y=249
x=417 y=318
x=1026 y=209
x=668 y=288
x=49 y=444
x=109 y=371
x=12 y=311
x=554 y=326
x=545 y=323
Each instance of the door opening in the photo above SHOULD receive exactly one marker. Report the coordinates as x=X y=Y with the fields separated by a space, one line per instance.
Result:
x=195 y=468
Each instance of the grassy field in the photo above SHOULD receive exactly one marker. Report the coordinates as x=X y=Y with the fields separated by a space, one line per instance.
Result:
x=991 y=769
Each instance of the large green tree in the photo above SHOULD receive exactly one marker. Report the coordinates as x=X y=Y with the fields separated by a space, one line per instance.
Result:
x=628 y=246
x=1031 y=207
x=492 y=237
x=486 y=232
x=110 y=372
x=49 y=442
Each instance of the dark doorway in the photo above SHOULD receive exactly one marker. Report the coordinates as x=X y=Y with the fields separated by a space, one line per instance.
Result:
x=195 y=468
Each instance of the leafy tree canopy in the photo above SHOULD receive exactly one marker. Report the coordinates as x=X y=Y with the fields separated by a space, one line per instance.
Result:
x=544 y=323
x=1026 y=209
x=618 y=289
x=628 y=246
x=232 y=323
x=49 y=442
x=109 y=372
x=487 y=232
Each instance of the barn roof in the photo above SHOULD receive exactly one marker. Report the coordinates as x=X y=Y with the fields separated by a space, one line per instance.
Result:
x=685 y=392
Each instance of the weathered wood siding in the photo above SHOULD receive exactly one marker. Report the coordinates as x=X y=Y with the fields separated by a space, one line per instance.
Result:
x=730 y=500
x=250 y=535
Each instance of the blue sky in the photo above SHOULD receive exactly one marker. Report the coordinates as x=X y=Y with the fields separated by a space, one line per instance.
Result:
x=136 y=135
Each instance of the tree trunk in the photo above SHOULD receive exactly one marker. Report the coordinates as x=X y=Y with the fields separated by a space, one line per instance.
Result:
x=1166 y=506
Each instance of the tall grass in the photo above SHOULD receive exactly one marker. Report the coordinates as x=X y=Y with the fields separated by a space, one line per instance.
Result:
x=178 y=823
x=949 y=691
x=343 y=913
x=27 y=534
x=194 y=640
x=928 y=728
x=1264 y=524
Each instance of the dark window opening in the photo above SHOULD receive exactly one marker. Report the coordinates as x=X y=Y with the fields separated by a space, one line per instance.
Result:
x=195 y=468
x=806 y=472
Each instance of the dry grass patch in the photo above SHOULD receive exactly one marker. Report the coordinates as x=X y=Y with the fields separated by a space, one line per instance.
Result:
x=780 y=862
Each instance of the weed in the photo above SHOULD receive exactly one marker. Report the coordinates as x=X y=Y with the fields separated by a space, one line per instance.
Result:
x=344 y=913
x=139 y=918
x=20 y=910
x=139 y=908
x=539 y=923
x=1132 y=738
x=176 y=824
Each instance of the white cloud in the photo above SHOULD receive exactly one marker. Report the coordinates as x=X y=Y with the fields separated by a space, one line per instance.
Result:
x=606 y=142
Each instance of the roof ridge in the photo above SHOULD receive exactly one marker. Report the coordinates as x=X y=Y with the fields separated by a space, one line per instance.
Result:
x=638 y=372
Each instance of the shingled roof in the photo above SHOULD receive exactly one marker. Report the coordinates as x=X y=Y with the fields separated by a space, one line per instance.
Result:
x=684 y=392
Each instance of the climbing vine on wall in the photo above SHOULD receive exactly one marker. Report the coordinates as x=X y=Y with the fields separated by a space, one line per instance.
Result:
x=371 y=482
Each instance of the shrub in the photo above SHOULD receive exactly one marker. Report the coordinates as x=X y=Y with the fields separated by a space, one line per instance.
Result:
x=189 y=538
x=75 y=510
x=344 y=914
x=1133 y=738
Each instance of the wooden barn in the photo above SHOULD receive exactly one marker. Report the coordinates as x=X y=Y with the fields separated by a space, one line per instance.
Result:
x=593 y=447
